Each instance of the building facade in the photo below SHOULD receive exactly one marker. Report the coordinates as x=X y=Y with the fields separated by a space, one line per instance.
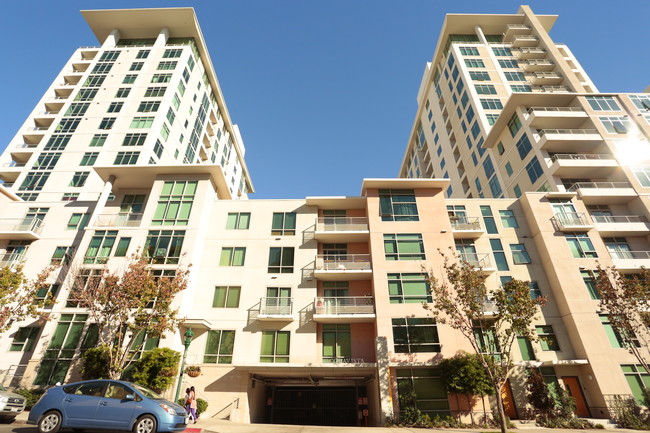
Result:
x=310 y=311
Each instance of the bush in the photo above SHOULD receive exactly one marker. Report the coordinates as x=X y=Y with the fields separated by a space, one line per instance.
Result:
x=154 y=367
x=201 y=405
x=628 y=414
x=31 y=396
x=94 y=363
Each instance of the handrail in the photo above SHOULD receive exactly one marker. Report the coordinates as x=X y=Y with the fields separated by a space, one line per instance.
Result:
x=543 y=132
x=477 y=260
x=554 y=109
x=276 y=306
x=591 y=185
x=461 y=222
x=132 y=219
x=629 y=254
x=612 y=219
x=571 y=219
x=341 y=224
x=28 y=224
x=581 y=156
x=235 y=402
x=343 y=262
x=13 y=164
x=344 y=305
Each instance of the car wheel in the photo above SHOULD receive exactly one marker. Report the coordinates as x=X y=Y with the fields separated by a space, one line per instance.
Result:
x=145 y=424
x=50 y=422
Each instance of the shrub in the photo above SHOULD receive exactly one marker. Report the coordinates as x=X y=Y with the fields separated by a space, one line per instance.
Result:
x=201 y=405
x=153 y=368
x=94 y=363
x=31 y=396
x=628 y=414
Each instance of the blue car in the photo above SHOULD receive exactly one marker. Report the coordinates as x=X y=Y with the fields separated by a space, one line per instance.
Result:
x=106 y=404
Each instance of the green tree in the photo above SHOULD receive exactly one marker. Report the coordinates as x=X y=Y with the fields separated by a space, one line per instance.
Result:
x=464 y=374
x=129 y=307
x=18 y=296
x=538 y=394
x=156 y=369
x=459 y=300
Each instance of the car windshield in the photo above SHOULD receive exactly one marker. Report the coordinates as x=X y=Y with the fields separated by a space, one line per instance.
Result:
x=146 y=391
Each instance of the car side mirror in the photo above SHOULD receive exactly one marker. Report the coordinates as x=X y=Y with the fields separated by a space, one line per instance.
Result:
x=129 y=397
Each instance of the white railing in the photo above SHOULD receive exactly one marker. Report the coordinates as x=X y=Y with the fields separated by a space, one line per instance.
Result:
x=532 y=50
x=343 y=262
x=611 y=219
x=341 y=224
x=555 y=109
x=538 y=62
x=344 y=305
x=21 y=225
x=524 y=37
x=517 y=27
x=476 y=260
x=624 y=255
x=581 y=156
x=13 y=164
x=38 y=128
x=595 y=185
x=465 y=223
x=276 y=306
x=543 y=132
x=25 y=145
x=11 y=259
x=554 y=89
x=546 y=75
x=571 y=219
x=119 y=220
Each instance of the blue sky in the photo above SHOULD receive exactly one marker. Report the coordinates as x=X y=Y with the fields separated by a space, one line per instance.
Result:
x=323 y=91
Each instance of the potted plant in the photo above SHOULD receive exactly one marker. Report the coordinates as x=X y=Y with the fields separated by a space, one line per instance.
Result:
x=193 y=370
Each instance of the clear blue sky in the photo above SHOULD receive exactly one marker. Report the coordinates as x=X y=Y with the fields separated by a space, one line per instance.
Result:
x=323 y=91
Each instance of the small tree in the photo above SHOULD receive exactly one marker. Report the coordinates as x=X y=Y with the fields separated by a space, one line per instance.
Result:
x=464 y=374
x=538 y=393
x=459 y=300
x=626 y=300
x=156 y=369
x=18 y=295
x=128 y=307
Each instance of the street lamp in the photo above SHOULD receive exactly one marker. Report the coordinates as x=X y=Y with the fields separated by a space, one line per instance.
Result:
x=188 y=340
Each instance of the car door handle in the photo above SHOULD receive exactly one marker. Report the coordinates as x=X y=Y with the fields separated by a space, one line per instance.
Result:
x=103 y=403
x=68 y=400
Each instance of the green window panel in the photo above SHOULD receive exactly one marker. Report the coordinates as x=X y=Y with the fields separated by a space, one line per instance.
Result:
x=281 y=260
x=284 y=223
x=175 y=203
x=232 y=256
x=25 y=339
x=337 y=343
x=238 y=221
x=407 y=288
x=547 y=338
x=219 y=347
x=526 y=349
x=226 y=297
x=164 y=246
x=398 y=205
x=415 y=335
x=404 y=247
x=100 y=247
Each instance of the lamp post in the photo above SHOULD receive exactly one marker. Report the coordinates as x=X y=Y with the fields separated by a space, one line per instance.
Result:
x=188 y=339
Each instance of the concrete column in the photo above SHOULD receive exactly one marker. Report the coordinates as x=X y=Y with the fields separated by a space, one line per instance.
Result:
x=481 y=36
x=111 y=40
x=101 y=202
x=383 y=378
x=161 y=40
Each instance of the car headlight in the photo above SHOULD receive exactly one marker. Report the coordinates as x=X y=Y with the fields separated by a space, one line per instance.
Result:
x=167 y=408
x=3 y=399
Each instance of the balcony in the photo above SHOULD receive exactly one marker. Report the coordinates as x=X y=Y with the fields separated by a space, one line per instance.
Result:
x=550 y=89
x=11 y=259
x=515 y=29
x=537 y=65
x=547 y=78
x=119 y=220
x=464 y=227
x=572 y=222
x=561 y=140
x=275 y=309
x=557 y=117
x=343 y=267
x=344 y=309
x=630 y=260
x=342 y=229
x=489 y=308
x=582 y=165
x=604 y=192
x=530 y=53
x=479 y=261
x=523 y=41
x=621 y=225
x=21 y=228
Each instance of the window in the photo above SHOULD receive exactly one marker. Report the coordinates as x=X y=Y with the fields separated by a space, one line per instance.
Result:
x=149 y=106
x=77 y=109
x=161 y=78
x=94 y=80
x=61 y=256
x=219 y=347
x=514 y=124
x=115 y=107
x=176 y=102
x=508 y=219
x=107 y=123
x=408 y=288
x=132 y=204
x=70 y=196
x=181 y=88
x=403 y=247
x=232 y=256
x=238 y=220
x=186 y=75
x=171 y=116
x=499 y=255
x=398 y=205
x=158 y=149
x=534 y=170
x=190 y=63
x=520 y=88
x=79 y=178
x=98 y=140
x=122 y=247
x=476 y=130
x=86 y=95
x=491 y=104
x=141 y=122
x=68 y=124
x=167 y=66
x=547 y=338
x=485 y=89
x=479 y=75
x=126 y=158
x=35 y=180
x=57 y=142
x=142 y=54
x=123 y=92
x=77 y=221
x=134 y=139
x=523 y=146
x=226 y=297
x=154 y=92
x=590 y=283
x=519 y=254
x=613 y=336
x=603 y=103
x=616 y=124
x=509 y=64
x=129 y=79
x=175 y=203
x=474 y=63
x=423 y=389
x=136 y=66
x=526 y=349
x=281 y=260
x=46 y=160
x=642 y=173
x=415 y=335
x=25 y=339
x=172 y=53
x=109 y=56
x=580 y=245
x=638 y=379
x=275 y=346
x=517 y=191
x=514 y=76
x=100 y=247
x=469 y=51
x=502 y=51
x=642 y=102
x=535 y=291
x=164 y=246
x=337 y=343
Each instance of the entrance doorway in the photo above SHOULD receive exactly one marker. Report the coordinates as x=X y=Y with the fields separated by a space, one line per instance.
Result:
x=572 y=384
x=312 y=406
x=508 y=401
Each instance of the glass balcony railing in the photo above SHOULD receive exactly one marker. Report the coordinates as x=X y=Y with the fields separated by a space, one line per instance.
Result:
x=21 y=225
x=476 y=260
x=571 y=219
x=276 y=306
x=465 y=223
x=119 y=220
x=343 y=262
x=626 y=255
x=342 y=224
x=618 y=219
x=598 y=185
x=580 y=156
x=344 y=305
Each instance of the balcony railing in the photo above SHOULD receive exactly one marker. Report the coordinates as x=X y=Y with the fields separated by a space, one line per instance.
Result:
x=13 y=164
x=465 y=223
x=342 y=224
x=625 y=255
x=343 y=262
x=26 y=145
x=344 y=305
x=476 y=260
x=119 y=220
x=537 y=62
x=37 y=128
x=543 y=132
x=11 y=259
x=571 y=219
x=276 y=306
x=555 y=109
x=581 y=156
x=21 y=225
x=598 y=185
x=517 y=27
x=546 y=75
x=618 y=219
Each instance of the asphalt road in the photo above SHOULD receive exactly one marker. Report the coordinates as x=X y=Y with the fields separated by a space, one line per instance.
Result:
x=22 y=428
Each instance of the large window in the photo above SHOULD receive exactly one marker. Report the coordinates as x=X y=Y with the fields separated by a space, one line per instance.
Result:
x=61 y=256
x=398 y=205
x=337 y=343
x=514 y=124
x=34 y=181
x=134 y=139
x=126 y=158
x=281 y=260
x=547 y=338
x=226 y=297
x=404 y=247
x=508 y=219
x=100 y=247
x=25 y=339
x=275 y=346
x=423 y=389
x=603 y=103
x=219 y=347
x=284 y=223
x=77 y=221
x=164 y=246
x=638 y=379
x=580 y=245
x=642 y=173
x=238 y=220
x=232 y=256
x=175 y=203
x=485 y=89
x=519 y=254
x=616 y=124
x=414 y=335
x=141 y=122
x=89 y=158
x=408 y=288
x=523 y=146
x=534 y=170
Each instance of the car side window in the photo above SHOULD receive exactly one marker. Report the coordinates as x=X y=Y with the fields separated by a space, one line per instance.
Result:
x=118 y=391
x=70 y=389
x=93 y=389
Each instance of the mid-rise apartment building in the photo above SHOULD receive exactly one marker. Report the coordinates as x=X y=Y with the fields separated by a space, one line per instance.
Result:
x=310 y=311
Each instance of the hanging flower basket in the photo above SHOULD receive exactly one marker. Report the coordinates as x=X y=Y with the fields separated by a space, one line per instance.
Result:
x=193 y=371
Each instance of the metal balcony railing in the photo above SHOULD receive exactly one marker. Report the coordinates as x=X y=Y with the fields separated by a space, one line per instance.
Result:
x=13 y=164
x=571 y=219
x=546 y=75
x=538 y=62
x=517 y=27
x=611 y=219
x=344 y=305
x=543 y=132
x=21 y=225
x=11 y=259
x=625 y=255
x=581 y=156
x=276 y=306
x=476 y=260
x=341 y=224
x=119 y=220
x=555 y=109
x=343 y=262
x=465 y=223
x=598 y=185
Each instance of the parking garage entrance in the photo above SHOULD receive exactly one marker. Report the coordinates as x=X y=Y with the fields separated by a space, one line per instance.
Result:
x=317 y=405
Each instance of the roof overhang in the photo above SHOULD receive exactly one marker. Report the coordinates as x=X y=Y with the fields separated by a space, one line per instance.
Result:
x=337 y=202
x=403 y=183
